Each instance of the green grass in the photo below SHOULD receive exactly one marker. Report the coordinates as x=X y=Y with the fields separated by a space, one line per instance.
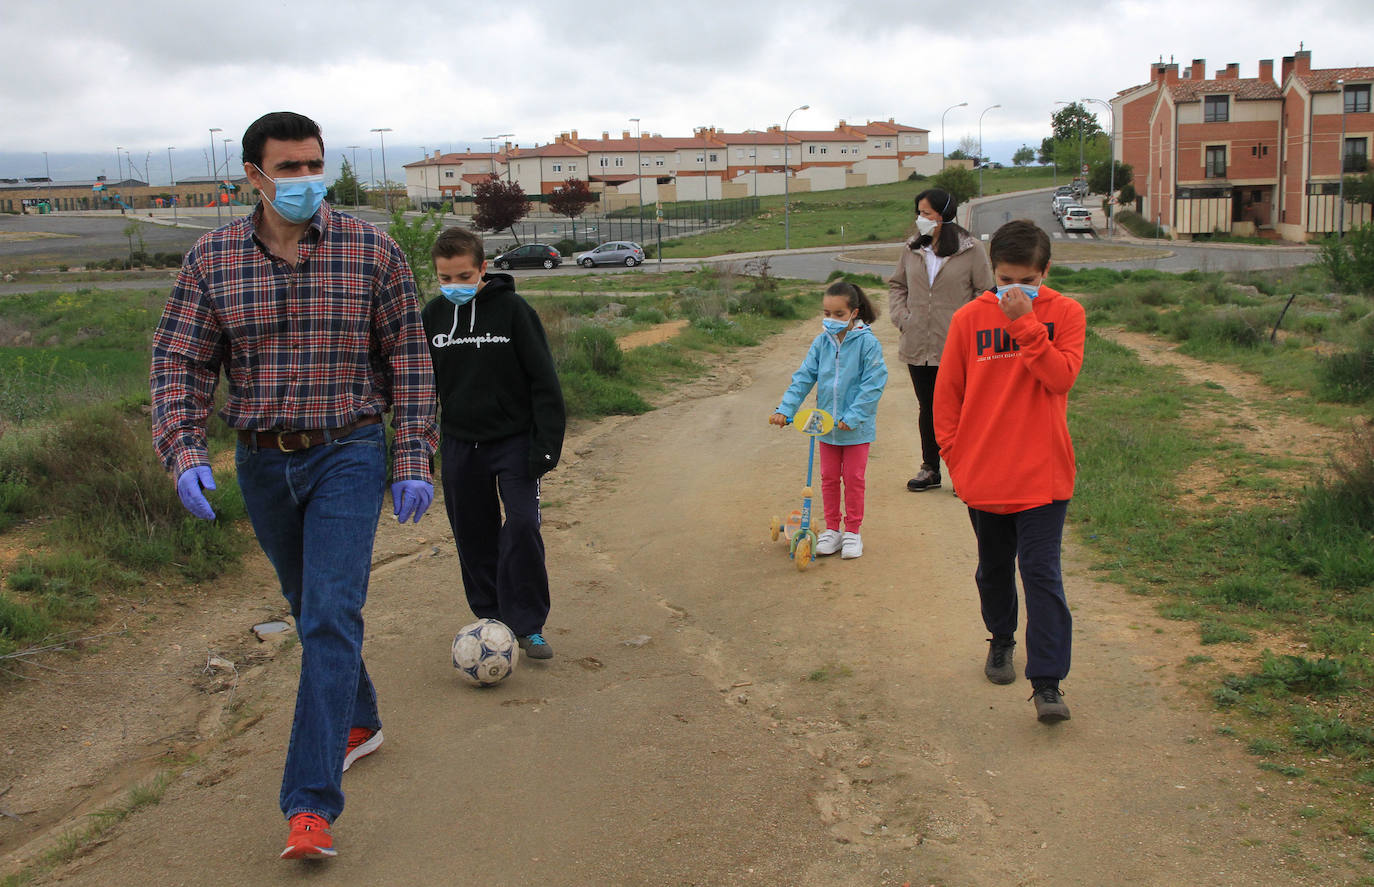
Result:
x=875 y=213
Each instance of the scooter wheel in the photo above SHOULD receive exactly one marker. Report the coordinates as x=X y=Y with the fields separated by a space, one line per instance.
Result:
x=775 y=527
x=802 y=553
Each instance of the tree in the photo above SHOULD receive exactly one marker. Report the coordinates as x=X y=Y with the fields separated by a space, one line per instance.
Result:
x=571 y=200
x=1047 y=151
x=957 y=154
x=499 y=205
x=1359 y=189
x=960 y=182
x=346 y=188
x=1066 y=122
x=416 y=240
x=1101 y=178
x=1024 y=155
x=969 y=145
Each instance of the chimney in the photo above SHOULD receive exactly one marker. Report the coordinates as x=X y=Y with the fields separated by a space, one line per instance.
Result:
x=1199 y=69
x=774 y=127
x=605 y=135
x=562 y=137
x=1302 y=61
x=1171 y=73
x=1287 y=68
x=1266 y=70
x=891 y=120
x=1233 y=70
x=625 y=134
x=574 y=135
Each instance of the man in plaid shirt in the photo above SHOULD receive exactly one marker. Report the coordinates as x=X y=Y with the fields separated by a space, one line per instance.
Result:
x=313 y=317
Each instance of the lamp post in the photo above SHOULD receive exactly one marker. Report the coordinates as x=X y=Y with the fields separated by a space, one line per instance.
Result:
x=119 y=163
x=226 y=179
x=1340 y=166
x=354 y=170
x=706 y=183
x=172 y=175
x=942 y=133
x=1111 y=169
x=786 y=184
x=371 y=172
x=982 y=161
x=219 y=219
x=491 y=143
x=47 y=171
x=424 y=172
x=385 y=188
x=639 y=178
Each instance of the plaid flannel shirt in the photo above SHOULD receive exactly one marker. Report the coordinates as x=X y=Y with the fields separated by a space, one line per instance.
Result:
x=320 y=345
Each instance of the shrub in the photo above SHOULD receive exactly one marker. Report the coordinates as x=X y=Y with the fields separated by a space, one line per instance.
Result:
x=649 y=315
x=598 y=346
x=1348 y=376
x=1216 y=329
x=1349 y=262
x=1139 y=225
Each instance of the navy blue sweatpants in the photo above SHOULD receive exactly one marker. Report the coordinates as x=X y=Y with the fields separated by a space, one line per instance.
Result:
x=502 y=561
x=1031 y=540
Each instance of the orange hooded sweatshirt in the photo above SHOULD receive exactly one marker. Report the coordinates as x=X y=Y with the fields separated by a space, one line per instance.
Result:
x=1001 y=401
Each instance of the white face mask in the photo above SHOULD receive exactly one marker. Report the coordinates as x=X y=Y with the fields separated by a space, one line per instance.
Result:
x=924 y=226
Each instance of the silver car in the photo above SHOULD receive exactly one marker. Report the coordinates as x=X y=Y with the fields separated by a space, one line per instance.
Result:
x=615 y=252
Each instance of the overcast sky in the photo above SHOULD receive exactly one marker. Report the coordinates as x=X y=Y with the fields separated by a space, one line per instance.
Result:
x=81 y=77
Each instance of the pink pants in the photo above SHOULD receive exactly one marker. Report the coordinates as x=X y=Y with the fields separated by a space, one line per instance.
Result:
x=845 y=463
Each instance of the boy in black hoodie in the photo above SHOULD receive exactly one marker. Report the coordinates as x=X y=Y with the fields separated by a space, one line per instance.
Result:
x=502 y=421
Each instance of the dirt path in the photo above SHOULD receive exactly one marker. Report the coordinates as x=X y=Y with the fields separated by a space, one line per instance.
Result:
x=826 y=729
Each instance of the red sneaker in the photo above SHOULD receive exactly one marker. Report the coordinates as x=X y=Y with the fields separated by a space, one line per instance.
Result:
x=310 y=838
x=361 y=743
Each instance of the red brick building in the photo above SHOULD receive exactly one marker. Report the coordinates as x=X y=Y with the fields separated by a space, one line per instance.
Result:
x=1245 y=155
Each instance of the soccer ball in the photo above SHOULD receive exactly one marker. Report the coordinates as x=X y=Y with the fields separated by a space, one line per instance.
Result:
x=485 y=652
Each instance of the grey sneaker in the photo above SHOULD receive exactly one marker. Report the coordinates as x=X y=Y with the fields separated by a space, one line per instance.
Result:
x=999 y=667
x=828 y=543
x=1049 y=704
x=535 y=647
x=926 y=479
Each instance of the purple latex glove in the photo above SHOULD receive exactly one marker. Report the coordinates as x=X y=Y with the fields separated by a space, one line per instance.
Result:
x=188 y=488
x=411 y=497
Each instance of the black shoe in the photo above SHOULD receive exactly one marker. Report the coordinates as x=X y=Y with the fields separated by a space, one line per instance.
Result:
x=1049 y=704
x=535 y=647
x=926 y=479
x=999 y=667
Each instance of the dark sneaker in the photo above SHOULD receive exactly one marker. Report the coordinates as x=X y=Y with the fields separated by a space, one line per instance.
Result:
x=361 y=743
x=310 y=838
x=926 y=479
x=999 y=667
x=535 y=647
x=1049 y=704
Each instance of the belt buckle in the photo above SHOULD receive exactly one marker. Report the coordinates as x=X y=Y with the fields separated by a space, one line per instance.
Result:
x=281 y=441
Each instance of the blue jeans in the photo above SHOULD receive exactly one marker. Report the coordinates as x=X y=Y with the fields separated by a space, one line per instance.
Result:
x=1030 y=541
x=315 y=514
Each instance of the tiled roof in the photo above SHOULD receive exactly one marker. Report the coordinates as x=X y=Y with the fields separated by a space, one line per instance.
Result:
x=823 y=135
x=755 y=138
x=1244 y=89
x=476 y=178
x=650 y=143
x=1324 y=80
x=554 y=149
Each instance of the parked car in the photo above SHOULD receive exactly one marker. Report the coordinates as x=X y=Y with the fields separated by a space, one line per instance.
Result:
x=1063 y=191
x=531 y=255
x=1077 y=218
x=1062 y=203
x=615 y=252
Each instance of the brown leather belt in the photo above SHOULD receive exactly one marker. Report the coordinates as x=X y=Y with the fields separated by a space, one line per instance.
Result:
x=291 y=441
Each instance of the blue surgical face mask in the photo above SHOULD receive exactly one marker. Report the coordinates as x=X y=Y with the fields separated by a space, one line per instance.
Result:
x=298 y=197
x=1030 y=290
x=458 y=293
x=834 y=326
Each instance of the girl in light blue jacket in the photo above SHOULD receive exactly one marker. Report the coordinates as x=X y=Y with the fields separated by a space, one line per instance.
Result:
x=845 y=365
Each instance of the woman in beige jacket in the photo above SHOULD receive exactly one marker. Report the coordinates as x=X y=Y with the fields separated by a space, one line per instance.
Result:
x=943 y=267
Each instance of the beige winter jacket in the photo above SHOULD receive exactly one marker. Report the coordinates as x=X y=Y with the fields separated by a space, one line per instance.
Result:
x=923 y=312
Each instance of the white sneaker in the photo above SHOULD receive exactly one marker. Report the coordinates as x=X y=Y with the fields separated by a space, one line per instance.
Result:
x=853 y=546
x=829 y=542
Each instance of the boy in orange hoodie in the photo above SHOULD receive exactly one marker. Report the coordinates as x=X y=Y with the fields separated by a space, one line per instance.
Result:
x=1001 y=398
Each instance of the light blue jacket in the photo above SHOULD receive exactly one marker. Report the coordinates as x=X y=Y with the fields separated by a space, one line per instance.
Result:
x=849 y=377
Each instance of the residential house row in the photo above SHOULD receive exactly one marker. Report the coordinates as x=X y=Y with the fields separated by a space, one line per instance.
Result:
x=641 y=169
x=1247 y=155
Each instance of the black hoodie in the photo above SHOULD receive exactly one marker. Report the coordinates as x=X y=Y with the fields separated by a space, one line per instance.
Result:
x=494 y=372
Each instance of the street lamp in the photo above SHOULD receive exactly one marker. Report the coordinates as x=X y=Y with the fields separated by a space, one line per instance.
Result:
x=491 y=144
x=382 y=138
x=219 y=219
x=982 y=161
x=354 y=170
x=424 y=172
x=639 y=174
x=1340 y=166
x=786 y=185
x=942 y=133
x=1111 y=169
x=119 y=163
x=47 y=171
x=706 y=182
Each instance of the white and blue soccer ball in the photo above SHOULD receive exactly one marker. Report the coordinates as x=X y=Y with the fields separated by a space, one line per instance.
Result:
x=485 y=652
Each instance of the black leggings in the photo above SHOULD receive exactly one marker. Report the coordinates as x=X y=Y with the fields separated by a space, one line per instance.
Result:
x=923 y=380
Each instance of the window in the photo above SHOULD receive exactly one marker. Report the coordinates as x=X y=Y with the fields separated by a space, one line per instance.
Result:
x=620 y=161
x=1356 y=155
x=605 y=162
x=888 y=143
x=448 y=173
x=658 y=161
x=1216 y=109
x=1216 y=161
x=572 y=167
x=713 y=158
x=824 y=150
x=1357 y=99
x=811 y=149
x=558 y=167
